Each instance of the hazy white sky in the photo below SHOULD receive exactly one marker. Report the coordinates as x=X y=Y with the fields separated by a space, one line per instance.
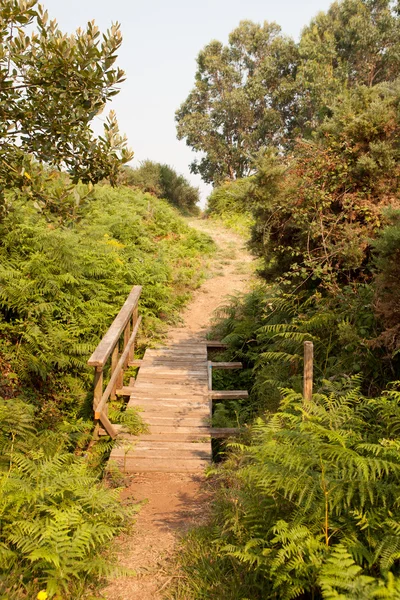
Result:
x=161 y=41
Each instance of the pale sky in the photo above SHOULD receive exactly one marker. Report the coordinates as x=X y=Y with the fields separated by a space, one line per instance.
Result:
x=161 y=41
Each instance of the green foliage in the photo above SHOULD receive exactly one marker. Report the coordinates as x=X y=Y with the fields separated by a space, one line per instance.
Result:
x=387 y=302
x=62 y=286
x=317 y=210
x=162 y=181
x=57 y=518
x=230 y=203
x=242 y=100
x=356 y=42
x=53 y=85
x=308 y=509
x=264 y=90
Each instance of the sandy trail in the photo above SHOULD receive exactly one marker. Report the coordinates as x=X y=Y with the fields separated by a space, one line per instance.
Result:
x=174 y=502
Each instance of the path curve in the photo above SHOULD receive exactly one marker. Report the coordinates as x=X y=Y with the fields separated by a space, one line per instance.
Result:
x=174 y=502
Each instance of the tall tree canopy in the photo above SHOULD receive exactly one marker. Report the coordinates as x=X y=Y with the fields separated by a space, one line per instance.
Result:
x=243 y=97
x=263 y=89
x=51 y=87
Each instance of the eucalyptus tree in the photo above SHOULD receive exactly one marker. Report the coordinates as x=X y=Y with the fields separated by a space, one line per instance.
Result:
x=243 y=99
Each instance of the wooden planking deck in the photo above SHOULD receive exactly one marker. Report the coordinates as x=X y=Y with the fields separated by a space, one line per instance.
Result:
x=172 y=390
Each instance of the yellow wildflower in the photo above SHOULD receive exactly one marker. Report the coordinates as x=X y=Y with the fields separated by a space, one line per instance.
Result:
x=42 y=595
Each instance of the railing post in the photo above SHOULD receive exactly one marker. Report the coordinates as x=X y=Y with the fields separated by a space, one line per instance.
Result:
x=114 y=362
x=135 y=315
x=127 y=335
x=98 y=392
x=308 y=372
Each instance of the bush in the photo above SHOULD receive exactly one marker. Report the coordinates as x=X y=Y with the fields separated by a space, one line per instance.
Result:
x=230 y=202
x=164 y=182
x=57 y=518
x=309 y=508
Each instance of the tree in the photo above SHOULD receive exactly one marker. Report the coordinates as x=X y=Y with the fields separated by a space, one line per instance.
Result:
x=243 y=99
x=355 y=43
x=52 y=85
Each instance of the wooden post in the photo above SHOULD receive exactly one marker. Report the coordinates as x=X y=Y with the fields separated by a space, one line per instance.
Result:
x=308 y=372
x=98 y=386
x=98 y=392
x=127 y=335
x=114 y=362
x=134 y=321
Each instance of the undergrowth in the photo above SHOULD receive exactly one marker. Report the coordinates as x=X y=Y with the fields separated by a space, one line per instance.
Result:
x=61 y=286
x=308 y=507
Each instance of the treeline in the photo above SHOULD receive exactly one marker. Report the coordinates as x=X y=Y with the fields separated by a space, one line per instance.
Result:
x=307 y=138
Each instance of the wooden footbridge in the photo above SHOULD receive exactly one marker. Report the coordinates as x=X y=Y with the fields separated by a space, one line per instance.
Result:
x=173 y=388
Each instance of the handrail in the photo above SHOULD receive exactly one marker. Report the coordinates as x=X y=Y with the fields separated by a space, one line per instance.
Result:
x=108 y=342
x=107 y=392
x=126 y=323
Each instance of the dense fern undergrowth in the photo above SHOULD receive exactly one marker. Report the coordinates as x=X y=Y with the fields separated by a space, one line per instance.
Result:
x=63 y=277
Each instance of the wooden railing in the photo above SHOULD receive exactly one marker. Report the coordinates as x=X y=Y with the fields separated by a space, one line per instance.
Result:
x=119 y=344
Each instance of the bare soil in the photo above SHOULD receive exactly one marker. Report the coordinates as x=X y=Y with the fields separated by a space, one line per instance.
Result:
x=173 y=503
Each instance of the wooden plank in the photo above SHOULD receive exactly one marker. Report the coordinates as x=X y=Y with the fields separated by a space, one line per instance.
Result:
x=224 y=432
x=173 y=437
x=168 y=452
x=114 y=376
x=114 y=362
x=135 y=363
x=169 y=387
x=215 y=344
x=173 y=409
x=228 y=394
x=176 y=352
x=162 y=465
x=175 y=421
x=108 y=342
x=174 y=445
x=199 y=431
x=125 y=391
x=227 y=365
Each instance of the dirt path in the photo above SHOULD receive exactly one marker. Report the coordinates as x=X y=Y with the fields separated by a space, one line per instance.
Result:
x=174 y=503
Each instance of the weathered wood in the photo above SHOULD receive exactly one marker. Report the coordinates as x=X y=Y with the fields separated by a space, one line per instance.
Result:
x=135 y=363
x=98 y=387
x=215 y=344
x=108 y=426
x=114 y=362
x=110 y=339
x=161 y=465
x=177 y=420
x=133 y=322
x=228 y=394
x=127 y=335
x=308 y=371
x=174 y=393
x=125 y=391
x=177 y=436
x=227 y=365
x=224 y=432
x=118 y=368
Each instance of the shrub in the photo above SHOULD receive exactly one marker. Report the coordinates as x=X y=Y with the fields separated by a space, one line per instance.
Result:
x=163 y=181
x=316 y=488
